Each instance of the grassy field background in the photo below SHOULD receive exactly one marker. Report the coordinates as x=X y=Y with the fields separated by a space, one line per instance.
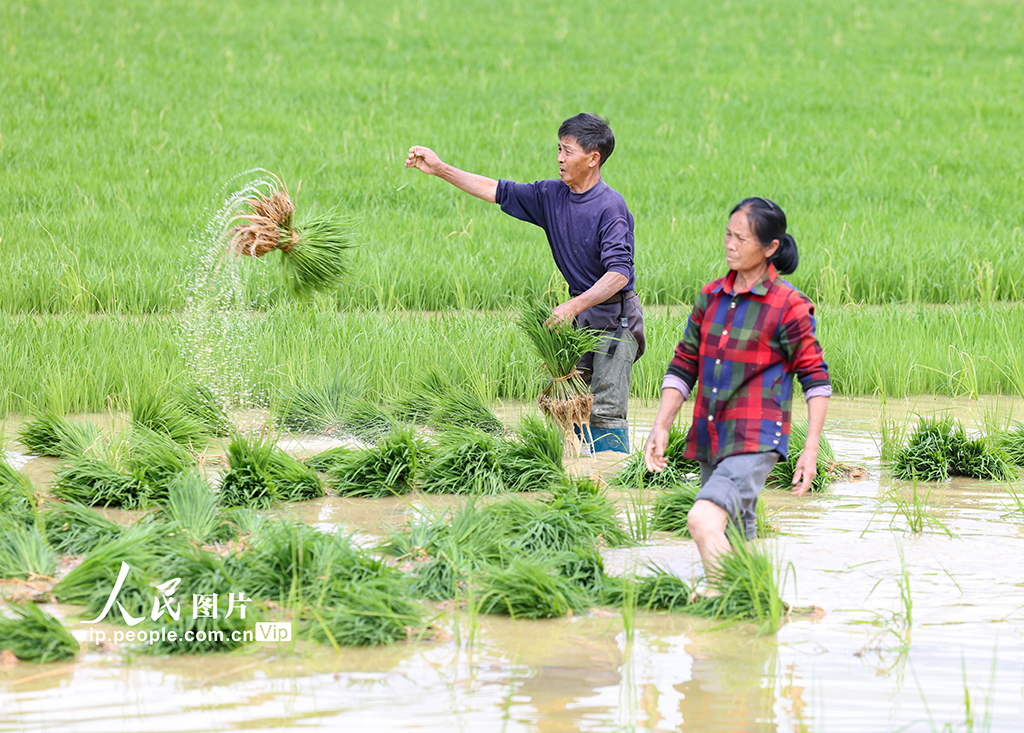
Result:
x=889 y=132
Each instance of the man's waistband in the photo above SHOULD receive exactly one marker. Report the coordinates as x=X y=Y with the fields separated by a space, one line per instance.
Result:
x=617 y=298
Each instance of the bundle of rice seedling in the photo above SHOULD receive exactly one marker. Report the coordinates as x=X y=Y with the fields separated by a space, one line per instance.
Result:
x=662 y=591
x=532 y=459
x=582 y=567
x=465 y=461
x=634 y=473
x=1011 y=442
x=436 y=579
x=291 y=561
x=671 y=507
x=260 y=473
x=940 y=448
x=33 y=635
x=329 y=459
x=537 y=528
x=314 y=408
x=781 y=476
x=370 y=613
x=75 y=529
x=386 y=469
x=193 y=509
x=588 y=506
x=200 y=403
x=314 y=251
x=566 y=399
x=202 y=628
x=528 y=588
x=17 y=497
x=143 y=546
x=54 y=435
x=468 y=536
x=24 y=551
x=365 y=418
x=131 y=472
x=435 y=401
x=748 y=586
x=163 y=414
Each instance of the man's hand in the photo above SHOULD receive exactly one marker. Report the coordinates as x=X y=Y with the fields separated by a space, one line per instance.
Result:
x=805 y=471
x=426 y=160
x=563 y=313
x=654 y=453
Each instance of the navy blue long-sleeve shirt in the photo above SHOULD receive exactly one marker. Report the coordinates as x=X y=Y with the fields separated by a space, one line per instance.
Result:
x=590 y=233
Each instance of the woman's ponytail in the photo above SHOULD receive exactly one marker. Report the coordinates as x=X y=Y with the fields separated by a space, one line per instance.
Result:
x=786 y=257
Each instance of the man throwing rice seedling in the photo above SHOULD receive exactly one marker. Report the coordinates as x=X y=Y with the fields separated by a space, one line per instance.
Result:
x=590 y=231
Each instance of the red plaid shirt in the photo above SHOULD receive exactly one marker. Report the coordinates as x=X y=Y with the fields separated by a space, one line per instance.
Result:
x=741 y=351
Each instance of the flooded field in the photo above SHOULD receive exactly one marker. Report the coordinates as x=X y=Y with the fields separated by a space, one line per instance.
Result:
x=911 y=631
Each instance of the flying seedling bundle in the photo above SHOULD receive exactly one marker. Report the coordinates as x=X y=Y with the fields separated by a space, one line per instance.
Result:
x=314 y=250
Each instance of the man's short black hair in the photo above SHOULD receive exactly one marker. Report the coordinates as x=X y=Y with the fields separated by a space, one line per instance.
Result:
x=591 y=132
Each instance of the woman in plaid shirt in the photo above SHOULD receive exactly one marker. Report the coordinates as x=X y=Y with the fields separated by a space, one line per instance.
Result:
x=749 y=332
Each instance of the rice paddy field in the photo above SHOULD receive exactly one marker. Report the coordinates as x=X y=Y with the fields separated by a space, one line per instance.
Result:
x=367 y=464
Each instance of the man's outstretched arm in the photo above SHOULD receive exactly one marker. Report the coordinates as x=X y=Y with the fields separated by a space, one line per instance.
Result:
x=427 y=161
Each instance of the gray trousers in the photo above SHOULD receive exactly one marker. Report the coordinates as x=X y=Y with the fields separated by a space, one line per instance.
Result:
x=609 y=374
x=734 y=484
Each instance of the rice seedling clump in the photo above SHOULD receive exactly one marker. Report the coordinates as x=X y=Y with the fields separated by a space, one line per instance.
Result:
x=1011 y=442
x=663 y=591
x=54 y=435
x=33 y=635
x=193 y=509
x=940 y=448
x=671 y=507
x=436 y=402
x=369 y=613
x=634 y=473
x=465 y=461
x=781 y=475
x=565 y=399
x=528 y=588
x=387 y=469
x=75 y=529
x=314 y=252
x=260 y=473
x=532 y=457
x=17 y=498
x=163 y=414
x=24 y=551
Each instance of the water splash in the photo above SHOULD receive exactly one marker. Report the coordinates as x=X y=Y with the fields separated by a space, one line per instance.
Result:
x=220 y=324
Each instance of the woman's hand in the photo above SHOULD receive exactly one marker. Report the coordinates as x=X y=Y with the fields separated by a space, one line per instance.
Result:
x=805 y=471
x=654 y=453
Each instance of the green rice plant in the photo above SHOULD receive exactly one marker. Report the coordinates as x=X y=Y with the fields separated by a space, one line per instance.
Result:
x=260 y=473
x=528 y=588
x=75 y=529
x=24 y=551
x=291 y=562
x=532 y=457
x=781 y=475
x=192 y=508
x=199 y=403
x=326 y=460
x=143 y=546
x=162 y=413
x=566 y=398
x=17 y=496
x=295 y=481
x=365 y=418
x=211 y=624
x=636 y=508
x=915 y=510
x=634 y=473
x=314 y=408
x=748 y=584
x=1016 y=506
x=940 y=447
x=436 y=579
x=587 y=505
x=537 y=528
x=370 y=613
x=671 y=507
x=1011 y=442
x=764 y=520
x=54 y=435
x=437 y=402
x=386 y=469
x=96 y=482
x=465 y=461
x=662 y=591
x=583 y=568
x=156 y=459
x=468 y=537
x=33 y=635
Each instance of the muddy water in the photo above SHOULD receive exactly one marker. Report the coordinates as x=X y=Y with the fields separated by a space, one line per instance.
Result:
x=858 y=667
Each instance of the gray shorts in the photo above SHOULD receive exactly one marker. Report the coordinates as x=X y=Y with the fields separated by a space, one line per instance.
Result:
x=734 y=483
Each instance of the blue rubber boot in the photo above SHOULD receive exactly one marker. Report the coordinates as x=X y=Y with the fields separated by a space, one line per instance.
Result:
x=613 y=439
